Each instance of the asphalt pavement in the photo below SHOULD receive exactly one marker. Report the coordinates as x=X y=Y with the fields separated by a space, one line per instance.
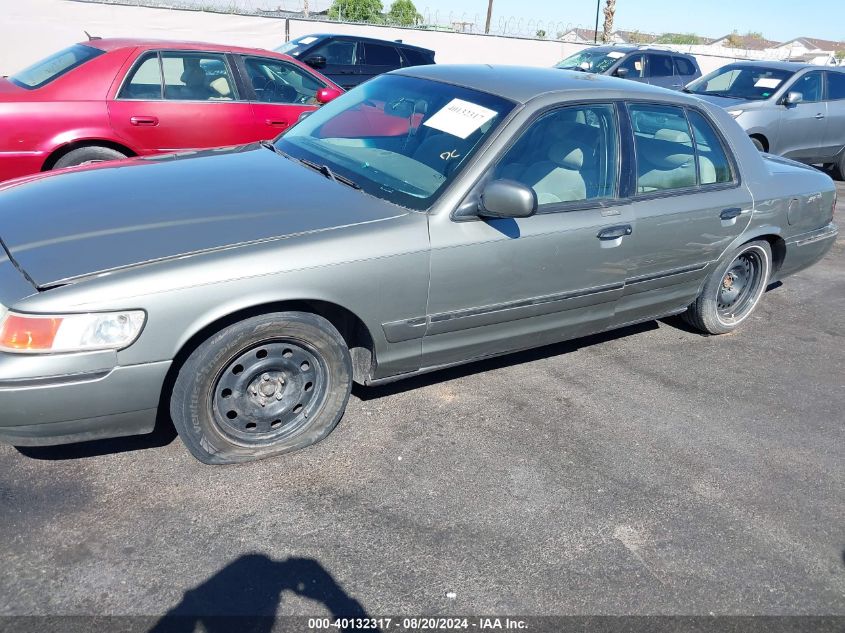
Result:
x=651 y=470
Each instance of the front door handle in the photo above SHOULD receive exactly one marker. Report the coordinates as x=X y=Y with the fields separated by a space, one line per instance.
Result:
x=144 y=120
x=730 y=213
x=819 y=116
x=615 y=232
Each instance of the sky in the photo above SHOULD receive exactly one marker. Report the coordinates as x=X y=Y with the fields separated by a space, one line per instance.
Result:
x=777 y=19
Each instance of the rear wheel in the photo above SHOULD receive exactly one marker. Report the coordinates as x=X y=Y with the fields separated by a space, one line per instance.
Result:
x=90 y=154
x=733 y=289
x=264 y=386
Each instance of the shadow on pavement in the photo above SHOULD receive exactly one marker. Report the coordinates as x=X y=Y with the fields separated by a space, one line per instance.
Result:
x=247 y=594
x=162 y=435
x=499 y=362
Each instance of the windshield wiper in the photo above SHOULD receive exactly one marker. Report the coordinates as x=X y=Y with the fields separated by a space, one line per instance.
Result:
x=328 y=173
x=269 y=145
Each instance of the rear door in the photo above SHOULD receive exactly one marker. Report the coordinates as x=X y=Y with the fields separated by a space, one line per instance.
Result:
x=803 y=125
x=660 y=70
x=379 y=59
x=279 y=91
x=688 y=206
x=180 y=100
x=834 y=136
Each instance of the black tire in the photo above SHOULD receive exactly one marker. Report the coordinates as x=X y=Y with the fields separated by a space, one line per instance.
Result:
x=92 y=153
x=839 y=172
x=222 y=405
x=732 y=290
x=758 y=144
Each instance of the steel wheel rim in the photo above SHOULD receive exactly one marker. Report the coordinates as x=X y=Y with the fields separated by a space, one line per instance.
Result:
x=739 y=288
x=268 y=392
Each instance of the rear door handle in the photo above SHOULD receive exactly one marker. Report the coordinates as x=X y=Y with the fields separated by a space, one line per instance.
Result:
x=144 y=120
x=615 y=232
x=276 y=123
x=730 y=213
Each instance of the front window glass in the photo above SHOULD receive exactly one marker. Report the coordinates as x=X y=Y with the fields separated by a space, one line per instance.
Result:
x=276 y=81
x=401 y=139
x=592 y=61
x=336 y=52
x=745 y=83
x=634 y=65
x=56 y=65
x=567 y=155
x=810 y=87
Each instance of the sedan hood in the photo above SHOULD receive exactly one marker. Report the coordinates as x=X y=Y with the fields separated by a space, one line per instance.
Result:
x=724 y=102
x=99 y=218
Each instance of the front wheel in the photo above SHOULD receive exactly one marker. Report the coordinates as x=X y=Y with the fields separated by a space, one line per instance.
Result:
x=260 y=387
x=733 y=289
x=758 y=144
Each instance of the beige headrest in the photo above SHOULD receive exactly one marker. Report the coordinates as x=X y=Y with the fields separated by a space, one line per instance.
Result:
x=221 y=86
x=566 y=155
x=676 y=136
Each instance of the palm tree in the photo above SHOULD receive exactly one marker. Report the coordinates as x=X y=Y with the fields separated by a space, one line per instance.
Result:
x=489 y=15
x=609 y=12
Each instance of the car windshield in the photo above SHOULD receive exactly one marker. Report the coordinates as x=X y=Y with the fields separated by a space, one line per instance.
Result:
x=45 y=71
x=591 y=60
x=748 y=83
x=296 y=46
x=399 y=138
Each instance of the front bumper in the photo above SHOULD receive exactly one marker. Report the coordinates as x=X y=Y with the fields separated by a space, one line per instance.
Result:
x=802 y=251
x=74 y=406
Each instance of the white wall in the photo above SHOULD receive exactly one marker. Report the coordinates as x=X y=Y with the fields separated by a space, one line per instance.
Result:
x=32 y=29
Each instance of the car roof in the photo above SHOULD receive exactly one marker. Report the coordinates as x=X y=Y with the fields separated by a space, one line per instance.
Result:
x=523 y=83
x=629 y=48
x=117 y=43
x=779 y=65
x=372 y=40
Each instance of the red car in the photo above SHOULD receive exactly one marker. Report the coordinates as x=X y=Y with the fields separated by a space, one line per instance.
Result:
x=111 y=98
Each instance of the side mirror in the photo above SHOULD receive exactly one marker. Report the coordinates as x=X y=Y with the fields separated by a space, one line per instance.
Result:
x=507 y=199
x=793 y=98
x=324 y=95
x=316 y=61
x=622 y=73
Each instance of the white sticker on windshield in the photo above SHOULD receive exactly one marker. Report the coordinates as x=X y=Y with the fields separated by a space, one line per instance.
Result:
x=767 y=82
x=307 y=40
x=615 y=54
x=460 y=118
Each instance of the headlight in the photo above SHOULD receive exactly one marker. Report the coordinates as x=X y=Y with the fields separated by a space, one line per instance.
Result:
x=58 y=333
x=735 y=113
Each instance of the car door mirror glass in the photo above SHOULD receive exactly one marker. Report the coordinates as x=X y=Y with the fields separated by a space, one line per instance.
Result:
x=316 y=61
x=507 y=199
x=793 y=98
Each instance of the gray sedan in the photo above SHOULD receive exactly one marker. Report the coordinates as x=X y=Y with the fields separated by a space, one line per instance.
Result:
x=431 y=217
x=791 y=109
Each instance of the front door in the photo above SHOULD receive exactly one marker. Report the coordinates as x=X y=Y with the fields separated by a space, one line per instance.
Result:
x=342 y=61
x=180 y=100
x=688 y=208
x=499 y=285
x=281 y=92
x=803 y=125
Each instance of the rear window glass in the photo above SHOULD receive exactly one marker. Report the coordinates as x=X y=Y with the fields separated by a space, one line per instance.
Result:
x=416 y=58
x=378 y=55
x=835 y=86
x=43 y=72
x=660 y=66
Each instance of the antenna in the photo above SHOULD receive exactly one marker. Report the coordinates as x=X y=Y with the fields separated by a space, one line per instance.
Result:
x=90 y=37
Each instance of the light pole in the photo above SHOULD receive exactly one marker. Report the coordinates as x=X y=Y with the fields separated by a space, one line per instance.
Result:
x=596 y=32
x=489 y=15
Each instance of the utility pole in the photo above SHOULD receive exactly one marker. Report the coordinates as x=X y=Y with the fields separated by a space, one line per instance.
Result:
x=489 y=15
x=596 y=32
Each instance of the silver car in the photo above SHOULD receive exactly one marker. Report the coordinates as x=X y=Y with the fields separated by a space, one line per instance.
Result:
x=791 y=109
x=644 y=64
x=433 y=216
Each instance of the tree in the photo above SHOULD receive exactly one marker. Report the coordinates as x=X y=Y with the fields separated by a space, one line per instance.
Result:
x=679 y=38
x=541 y=34
x=356 y=10
x=609 y=13
x=404 y=13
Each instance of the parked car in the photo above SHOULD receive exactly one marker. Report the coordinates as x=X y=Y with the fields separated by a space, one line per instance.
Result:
x=655 y=66
x=349 y=60
x=110 y=98
x=433 y=216
x=787 y=108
